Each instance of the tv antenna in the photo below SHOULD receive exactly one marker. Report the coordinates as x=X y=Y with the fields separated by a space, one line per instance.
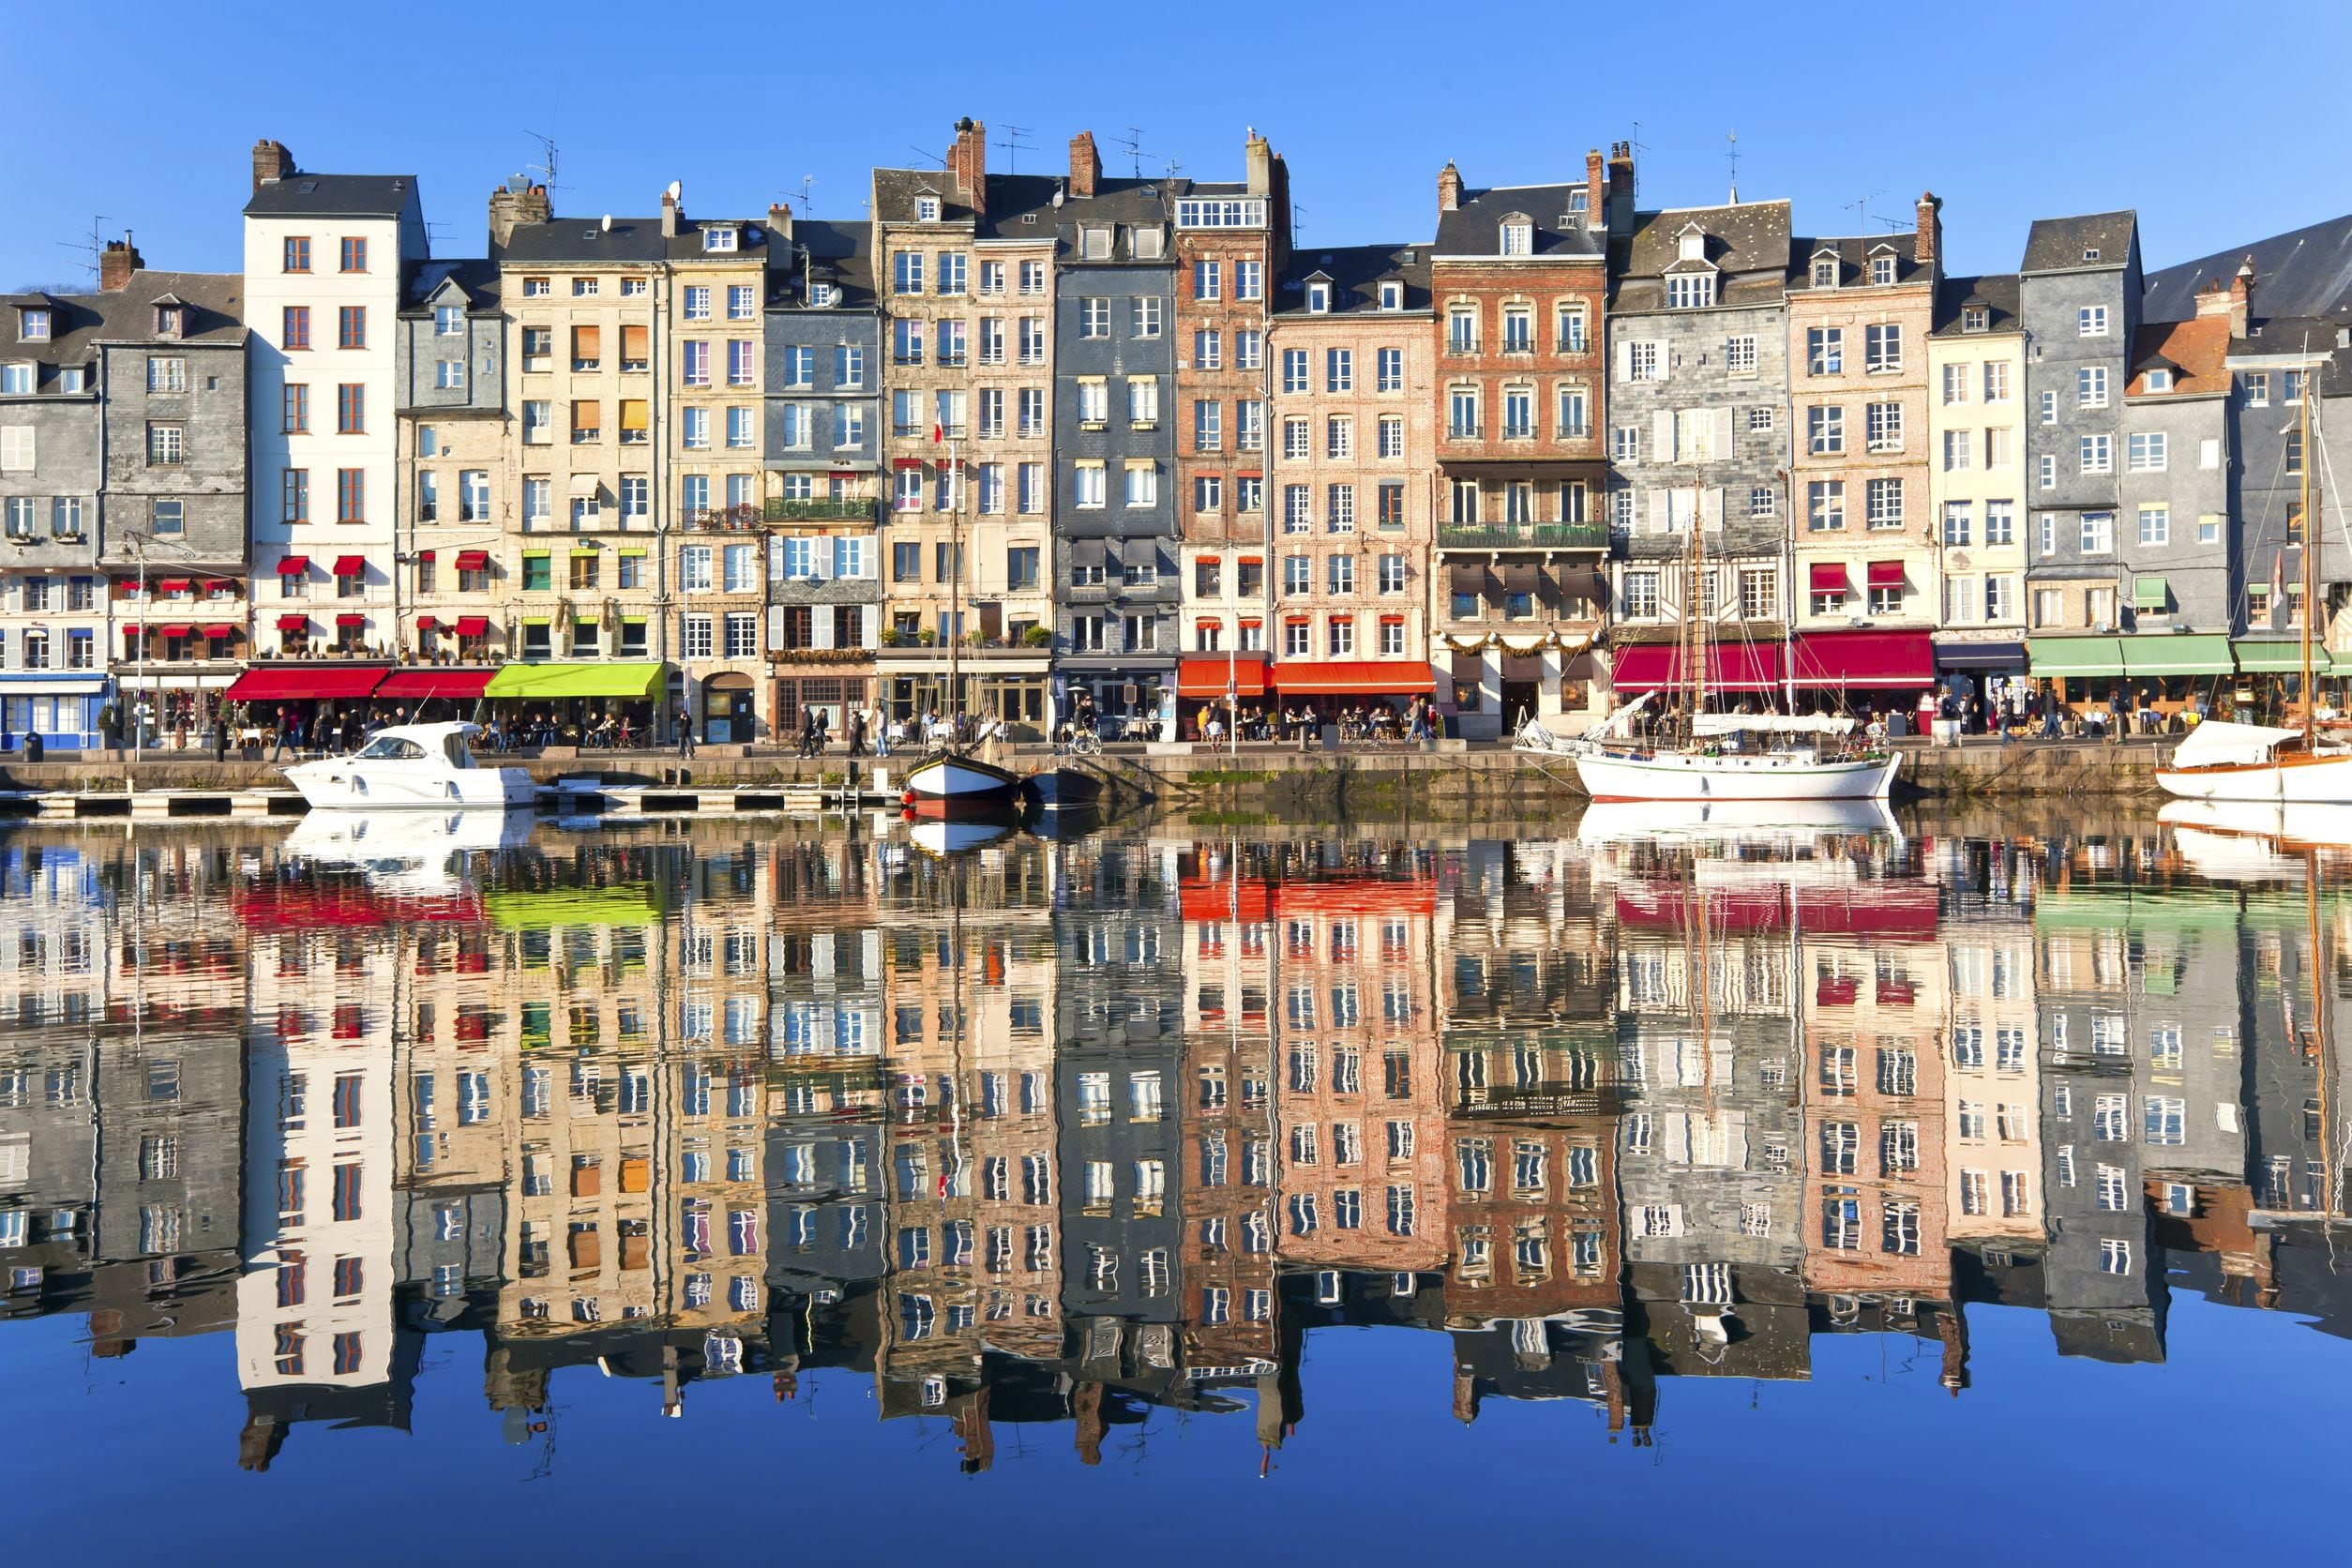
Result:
x=1298 y=221
x=807 y=181
x=1861 y=208
x=928 y=158
x=546 y=164
x=1012 y=144
x=1640 y=150
x=94 y=247
x=1133 y=141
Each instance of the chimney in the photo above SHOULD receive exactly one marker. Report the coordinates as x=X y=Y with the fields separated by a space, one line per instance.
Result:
x=780 y=220
x=1449 y=187
x=1927 y=246
x=2213 y=299
x=2241 y=296
x=271 y=162
x=1596 y=190
x=968 y=164
x=117 y=262
x=510 y=208
x=670 y=200
x=1620 y=216
x=1257 y=157
x=1086 y=164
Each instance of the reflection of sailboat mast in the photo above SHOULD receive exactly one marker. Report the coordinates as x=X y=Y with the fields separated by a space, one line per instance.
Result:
x=2322 y=1045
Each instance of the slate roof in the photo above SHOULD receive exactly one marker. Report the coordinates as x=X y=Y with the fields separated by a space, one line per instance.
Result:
x=2057 y=244
x=751 y=240
x=1130 y=203
x=333 y=196
x=1748 y=242
x=1854 y=255
x=1357 y=272
x=1011 y=196
x=476 y=274
x=846 y=250
x=895 y=190
x=1475 y=228
x=1997 y=291
x=2303 y=272
x=214 y=303
x=583 y=240
x=2197 y=352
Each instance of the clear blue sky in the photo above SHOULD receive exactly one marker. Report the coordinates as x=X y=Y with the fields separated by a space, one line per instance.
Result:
x=2219 y=125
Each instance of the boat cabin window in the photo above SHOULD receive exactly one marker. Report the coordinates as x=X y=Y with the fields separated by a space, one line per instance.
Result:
x=392 y=747
x=453 y=746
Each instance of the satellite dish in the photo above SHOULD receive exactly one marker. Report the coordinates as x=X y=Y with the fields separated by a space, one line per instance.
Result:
x=608 y=223
x=1057 y=195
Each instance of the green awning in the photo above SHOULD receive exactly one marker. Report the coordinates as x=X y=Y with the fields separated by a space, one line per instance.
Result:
x=2279 y=658
x=2067 y=656
x=2150 y=593
x=575 y=680
x=2163 y=653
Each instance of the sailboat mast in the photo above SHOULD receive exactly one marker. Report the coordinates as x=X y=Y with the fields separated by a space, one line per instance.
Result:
x=954 y=587
x=2311 y=536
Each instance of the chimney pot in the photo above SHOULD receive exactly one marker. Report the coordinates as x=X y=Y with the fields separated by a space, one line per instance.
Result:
x=119 y=260
x=509 y=209
x=780 y=218
x=1449 y=187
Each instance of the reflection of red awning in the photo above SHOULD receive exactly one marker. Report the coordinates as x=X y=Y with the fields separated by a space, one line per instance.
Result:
x=1834 y=993
x=294 y=622
x=1658 y=906
x=1300 y=678
x=473 y=561
x=1223 y=899
x=220 y=628
x=1885 y=910
x=297 y=682
x=294 y=565
x=351 y=566
x=473 y=626
x=1730 y=666
x=1827 y=577
x=1355 y=895
x=1205 y=677
x=1885 y=574
x=1865 y=658
x=458 y=685
x=296 y=908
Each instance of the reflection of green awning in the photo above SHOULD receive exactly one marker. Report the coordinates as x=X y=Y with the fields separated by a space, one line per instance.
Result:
x=2280 y=658
x=536 y=910
x=2157 y=653
x=2150 y=593
x=575 y=680
x=2067 y=656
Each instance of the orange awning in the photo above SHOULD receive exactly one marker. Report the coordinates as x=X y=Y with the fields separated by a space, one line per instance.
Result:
x=1206 y=676
x=1353 y=677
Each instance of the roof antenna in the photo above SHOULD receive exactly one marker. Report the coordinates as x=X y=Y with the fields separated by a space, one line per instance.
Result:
x=1733 y=154
x=1133 y=141
x=928 y=158
x=93 y=248
x=547 y=160
x=1012 y=144
x=1641 y=151
x=1862 y=209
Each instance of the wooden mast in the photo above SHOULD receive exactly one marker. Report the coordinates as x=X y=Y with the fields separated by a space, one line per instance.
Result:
x=2311 y=536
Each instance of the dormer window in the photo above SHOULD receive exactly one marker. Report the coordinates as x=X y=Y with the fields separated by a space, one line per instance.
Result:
x=1392 y=296
x=1319 y=298
x=1825 y=272
x=1975 y=318
x=1095 y=245
x=1690 y=290
x=1577 y=201
x=1144 y=243
x=820 y=294
x=926 y=209
x=719 y=237
x=1691 y=244
x=1882 y=270
x=1518 y=237
x=167 y=321
x=32 y=323
x=2090 y=253
x=2159 y=380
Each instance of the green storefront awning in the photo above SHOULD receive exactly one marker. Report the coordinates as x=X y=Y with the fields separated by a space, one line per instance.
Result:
x=2150 y=593
x=2068 y=656
x=2160 y=653
x=2280 y=658
x=575 y=680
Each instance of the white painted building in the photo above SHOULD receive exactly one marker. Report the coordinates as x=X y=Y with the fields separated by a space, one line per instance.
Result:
x=324 y=259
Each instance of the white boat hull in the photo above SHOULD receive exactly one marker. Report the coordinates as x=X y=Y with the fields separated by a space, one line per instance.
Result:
x=346 y=783
x=2322 y=780
x=1675 y=776
x=948 y=786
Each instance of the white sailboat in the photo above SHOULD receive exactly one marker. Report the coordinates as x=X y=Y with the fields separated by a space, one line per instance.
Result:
x=1724 y=756
x=2222 y=760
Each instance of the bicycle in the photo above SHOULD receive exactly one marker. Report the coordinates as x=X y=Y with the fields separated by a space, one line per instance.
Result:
x=1084 y=744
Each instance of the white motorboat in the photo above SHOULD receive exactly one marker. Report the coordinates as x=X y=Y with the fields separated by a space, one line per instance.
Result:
x=2222 y=760
x=412 y=767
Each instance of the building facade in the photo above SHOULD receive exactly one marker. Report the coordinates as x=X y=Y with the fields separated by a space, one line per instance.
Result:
x=1976 y=443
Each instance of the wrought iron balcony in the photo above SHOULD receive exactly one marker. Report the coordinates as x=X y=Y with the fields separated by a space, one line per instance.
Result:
x=1524 y=536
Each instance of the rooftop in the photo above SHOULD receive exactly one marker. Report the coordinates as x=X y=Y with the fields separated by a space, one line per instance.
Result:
x=2097 y=239
x=334 y=196
x=1475 y=228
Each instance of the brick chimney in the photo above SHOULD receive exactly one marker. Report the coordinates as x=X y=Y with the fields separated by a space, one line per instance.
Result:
x=1257 y=158
x=1596 y=190
x=2241 y=296
x=1620 y=215
x=670 y=200
x=1449 y=187
x=968 y=164
x=1927 y=246
x=1086 y=164
x=509 y=209
x=780 y=221
x=271 y=162
x=116 y=262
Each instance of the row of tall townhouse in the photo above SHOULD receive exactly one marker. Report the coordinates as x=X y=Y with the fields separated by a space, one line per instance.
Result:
x=1119 y=436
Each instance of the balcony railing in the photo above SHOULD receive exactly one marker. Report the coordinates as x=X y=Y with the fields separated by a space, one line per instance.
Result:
x=817 y=509
x=1525 y=535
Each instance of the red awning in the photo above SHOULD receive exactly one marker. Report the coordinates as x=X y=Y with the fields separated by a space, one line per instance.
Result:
x=426 y=623
x=1828 y=576
x=417 y=685
x=351 y=620
x=1730 y=666
x=1885 y=574
x=351 y=566
x=424 y=555
x=906 y=462
x=473 y=561
x=285 y=682
x=1867 y=659
x=293 y=566
x=473 y=626
x=1300 y=678
x=294 y=622
x=171 y=631
x=172 y=585
x=221 y=585
x=220 y=628
x=1205 y=677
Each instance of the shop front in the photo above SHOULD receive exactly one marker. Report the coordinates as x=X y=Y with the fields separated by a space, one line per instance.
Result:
x=833 y=690
x=1225 y=688
x=2168 y=674
x=1129 y=700
x=434 y=694
x=1365 y=697
x=2081 y=673
x=1011 y=684
x=313 y=707
x=575 y=704
x=2271 y=678
x=1986 y=680
x=1864 y=673
x=725 y=701
x=1750 y=674
x=62 y=710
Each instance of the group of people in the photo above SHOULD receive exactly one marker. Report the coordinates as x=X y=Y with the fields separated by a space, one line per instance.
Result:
x=1301 y=722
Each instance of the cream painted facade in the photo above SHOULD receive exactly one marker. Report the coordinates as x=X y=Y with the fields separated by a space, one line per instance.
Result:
x=1976 y=443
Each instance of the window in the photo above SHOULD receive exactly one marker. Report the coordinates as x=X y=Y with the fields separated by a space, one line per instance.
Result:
x=1958 y=524
x=1690 y=290
x=1883 y=425
x=294 y=329
x=1144 y=316
x=1995 y=381
x=2098 y=454
x=350 y=326
x=2155 y=525
x=2091 y=386
x=1739 y=355
x=1958 y=449
x=1825 y=350
x=1339 y=371
x=1884 y=500
x=1825 y=506
x=1882 y=347
x=2098 y=532
x=1825 y=429
x=2091 y=321
x=167 y=444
